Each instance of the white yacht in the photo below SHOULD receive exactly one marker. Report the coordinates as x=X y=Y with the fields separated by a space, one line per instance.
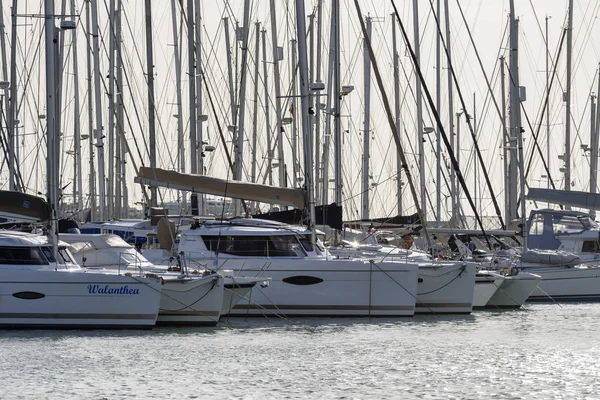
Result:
x=444 y=287
x=564 y=250
x=189 y=297
x=514 y=286
x=38 y=291
x=305 y=279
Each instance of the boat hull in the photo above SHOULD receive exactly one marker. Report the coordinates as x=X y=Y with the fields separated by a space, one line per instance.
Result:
x=515 y=291
x=79 y=300
x=446 y=288
x=566 y=284
x=486 y=285
x=326 y=287
x=193 y=301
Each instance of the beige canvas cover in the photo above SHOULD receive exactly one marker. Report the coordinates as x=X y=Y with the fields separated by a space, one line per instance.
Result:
x=221 y=187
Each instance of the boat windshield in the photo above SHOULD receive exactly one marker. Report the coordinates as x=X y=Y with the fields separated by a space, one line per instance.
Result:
x=21 y=256
x=567 y=224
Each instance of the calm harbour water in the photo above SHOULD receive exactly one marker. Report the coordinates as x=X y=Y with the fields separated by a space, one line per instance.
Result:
x=541 y=352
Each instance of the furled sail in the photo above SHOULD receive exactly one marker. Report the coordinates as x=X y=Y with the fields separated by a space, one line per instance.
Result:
x=221 y=187
x=23 y=207
x=571 y=198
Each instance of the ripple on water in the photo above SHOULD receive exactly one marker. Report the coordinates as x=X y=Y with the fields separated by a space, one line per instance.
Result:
x=542 y=352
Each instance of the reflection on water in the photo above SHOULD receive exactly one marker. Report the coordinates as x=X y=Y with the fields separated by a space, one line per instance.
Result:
x=545 y=351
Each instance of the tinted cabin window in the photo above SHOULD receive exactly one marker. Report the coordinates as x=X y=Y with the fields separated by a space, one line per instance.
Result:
x=591 y=246
x=252 y=246
x=21 y=256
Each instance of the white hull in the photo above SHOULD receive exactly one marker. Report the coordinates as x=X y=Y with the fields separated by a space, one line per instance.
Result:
x=486 y=285
x=325 y=287
x=515 y=291
x=446 y=288
x=193 y=301
x=238 y=289
x=567 y=284
x=82 y=300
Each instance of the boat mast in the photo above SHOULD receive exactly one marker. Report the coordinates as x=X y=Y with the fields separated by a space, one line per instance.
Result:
x=419 y=99
x=97 y=93
x=307 y=140
x=255 y=109
x=179 y=105
x=328 y=110
x=515 y=111
x=366 y=126
x=397 y=115
x=199 y=116
x=267 y=114
x=50 y=123
x=111 y=114
x=567 y=156
x=230 y=66
x=547 y=107
x=593 y=172
x=276 y=77
x=594 y=146
x=151 y=116
x=13 y=98
x=78 y=181
x=192 y=100
x=122 y=194
x=294 y=107
x=506 y=141
x=337 y=94
x=316 y=107
x=239 y=145
x=91 y=129
x=438 y=105
x=453 y=194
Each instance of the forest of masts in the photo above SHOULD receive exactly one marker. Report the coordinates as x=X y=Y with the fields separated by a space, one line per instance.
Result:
x=482 y=99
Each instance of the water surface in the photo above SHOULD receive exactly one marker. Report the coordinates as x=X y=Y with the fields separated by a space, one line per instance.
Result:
x=541 y=352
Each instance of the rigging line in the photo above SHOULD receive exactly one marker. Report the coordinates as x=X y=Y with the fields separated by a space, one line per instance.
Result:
x=126 y=113
x=112 y=32
x=437 y=117
x=543 y=108
x=468 y=120
x=389 y=114
x=487 y=81
x=212 y=105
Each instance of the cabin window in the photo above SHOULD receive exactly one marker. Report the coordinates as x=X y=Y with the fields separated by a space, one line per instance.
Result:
x=591 y=246
x=252 y=246
x=566 y=224
x=64 y=256
x=21 y=256
x=307 y=244
x=48 y=253
x=537 y=225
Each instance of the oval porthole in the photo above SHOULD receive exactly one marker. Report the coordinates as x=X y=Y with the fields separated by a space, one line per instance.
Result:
x=29 y=295
x=420 y=280
x=302 y=280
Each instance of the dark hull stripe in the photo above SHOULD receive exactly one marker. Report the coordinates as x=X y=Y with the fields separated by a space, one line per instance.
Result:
x=239 y=285
x=77 y=316
x=280 y=307
x=74 y=326
x=581 y=298
x=188 y=314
